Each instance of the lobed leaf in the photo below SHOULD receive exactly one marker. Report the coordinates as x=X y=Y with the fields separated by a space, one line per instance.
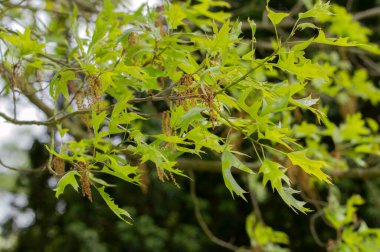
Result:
x=312 y=167
x=229 y=160
x=67 y=179
x=273 y=172
x=121 y=213
x=287 y=196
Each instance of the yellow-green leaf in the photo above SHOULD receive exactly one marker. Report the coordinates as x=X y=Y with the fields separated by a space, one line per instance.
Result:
x=67 y=179
x=273 y=172
x=287 y=195
x=312 y=167
x=318 y=9
x=58 y=84
x=175 y=15
x=229 y=160
x=121 y=213
x=275 y=17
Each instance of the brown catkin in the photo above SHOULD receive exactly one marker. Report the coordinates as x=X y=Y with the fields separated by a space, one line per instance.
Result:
x=79 y=100
x=85 y=180
x=144 y=178
x=58 y=165
x=161 y=174
x=133 y=38
x=210 y=102
x=174 y=180
x=186 y=81
x=166 y=129
x=94 y=92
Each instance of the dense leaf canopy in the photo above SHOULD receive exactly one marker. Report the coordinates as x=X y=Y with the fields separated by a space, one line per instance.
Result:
x=198 y=86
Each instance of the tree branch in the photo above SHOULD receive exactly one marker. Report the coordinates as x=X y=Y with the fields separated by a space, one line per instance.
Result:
x=75 y=129
x=250 y=71
x=313 y=231
x=22 y=169
x=208 y=165
x=367 y=14
x=201 y=221
x=215 y=166
x=163 y=98
x=50 y=122
x=358 y=173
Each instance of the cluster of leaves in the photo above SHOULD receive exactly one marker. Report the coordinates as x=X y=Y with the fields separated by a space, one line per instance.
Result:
x=353 y=234
x=219 y=70
x=189 y=67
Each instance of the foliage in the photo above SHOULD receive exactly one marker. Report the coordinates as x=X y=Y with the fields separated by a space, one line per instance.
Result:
x=189 y=72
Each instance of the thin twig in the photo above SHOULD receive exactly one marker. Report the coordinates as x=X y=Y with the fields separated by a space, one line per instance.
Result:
x=155 y=56
x=49 y=122
x=296 y=8
x=201 y=221
x=164 y=98
x=50 y=168
x=255 y=204
x=349 y=5
x=312 y=228
x=167 y=90
x=367 y=14
x=22 y=169
x=76 y=129
x=215 y=167
x=370 y=63
x=53 y=60
x=246 y=74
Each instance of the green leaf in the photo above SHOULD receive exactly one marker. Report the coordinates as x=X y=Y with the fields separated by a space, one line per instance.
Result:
x=58 y=84
x=252 y=24
x=263 y=235
x=354 y=200
x=126 y=172
x=171 y=139
x=306 y=130
x=175 y=15
x=223 y=39
x=104 y=23
x=100 y=181
x=354 y=128
x=373 y=125
x=22 y=43
x=312 y=167
x=302 y=46
x=303 y=26
x=121 y=213
x=204 y=5
x=320 y=8
x=275 y=105
x=191 y=116
x=155 y=154
x=279 y=135
x=67 y=179
x=333 y=41
x=339 y=215
x=287 y=195
x=97 y=119
x=141 y=74
x=203 y=138
x=273 y=172
x=74 y=27
x=305 y=102
x=229 y=160
x=303 y=68
x=275 y=17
